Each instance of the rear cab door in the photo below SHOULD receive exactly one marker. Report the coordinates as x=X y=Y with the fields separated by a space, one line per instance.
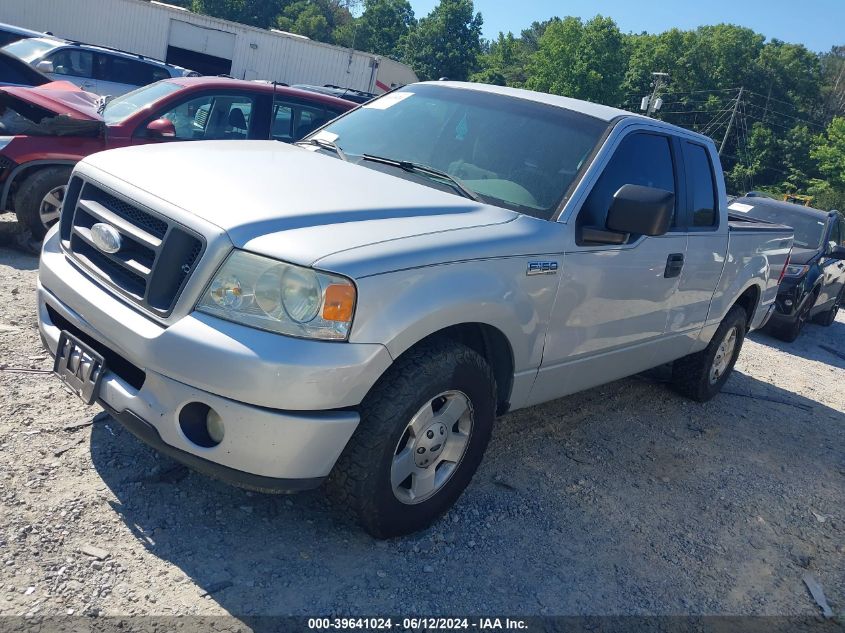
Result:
x=704 y=219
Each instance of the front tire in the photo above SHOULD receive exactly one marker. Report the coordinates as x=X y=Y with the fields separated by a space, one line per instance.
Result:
x=791 y=332
x=700 y=376
x=827 y=317
x=39 y=199
x=424 y=429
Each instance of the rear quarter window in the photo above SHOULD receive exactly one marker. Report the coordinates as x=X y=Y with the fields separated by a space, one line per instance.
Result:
x=702 y=186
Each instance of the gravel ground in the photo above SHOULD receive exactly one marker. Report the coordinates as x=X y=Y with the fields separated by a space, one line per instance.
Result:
x=625 y=499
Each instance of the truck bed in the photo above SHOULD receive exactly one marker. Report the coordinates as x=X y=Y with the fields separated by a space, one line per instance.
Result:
x=740 y=222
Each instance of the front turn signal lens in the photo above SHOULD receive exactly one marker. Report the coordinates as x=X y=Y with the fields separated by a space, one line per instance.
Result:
x=339 y=303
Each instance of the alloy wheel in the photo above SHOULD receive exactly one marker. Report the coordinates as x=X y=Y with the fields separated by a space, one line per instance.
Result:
x=724 y=354
x=431 y=447
x=51 y=206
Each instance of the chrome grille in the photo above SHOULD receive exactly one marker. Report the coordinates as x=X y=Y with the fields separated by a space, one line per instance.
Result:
x=156 y=256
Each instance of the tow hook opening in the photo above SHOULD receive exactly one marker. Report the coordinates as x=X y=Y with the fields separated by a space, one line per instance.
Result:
x=201 y=424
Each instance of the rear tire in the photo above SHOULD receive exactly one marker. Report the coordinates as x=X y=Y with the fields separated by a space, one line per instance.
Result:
x=396 y=474
x=827 y=317
x=39 y=198
x=700 y=376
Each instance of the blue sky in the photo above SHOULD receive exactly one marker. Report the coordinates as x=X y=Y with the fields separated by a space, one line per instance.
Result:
x=818 y=24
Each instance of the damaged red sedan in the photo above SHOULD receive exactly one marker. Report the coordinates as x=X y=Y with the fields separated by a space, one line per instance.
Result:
x=44 y=131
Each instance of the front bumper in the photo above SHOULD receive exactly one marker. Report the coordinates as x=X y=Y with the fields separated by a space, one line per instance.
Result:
x=791 y=299
x=154 y=372
x=147 y=433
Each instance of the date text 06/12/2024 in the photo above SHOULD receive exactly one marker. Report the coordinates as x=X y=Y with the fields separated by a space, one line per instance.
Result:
x=418 y=623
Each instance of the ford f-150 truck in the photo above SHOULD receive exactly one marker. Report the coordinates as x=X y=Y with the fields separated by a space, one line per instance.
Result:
x=360 y=307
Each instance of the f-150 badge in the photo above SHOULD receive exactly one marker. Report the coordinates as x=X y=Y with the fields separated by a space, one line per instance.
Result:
x=541 y=268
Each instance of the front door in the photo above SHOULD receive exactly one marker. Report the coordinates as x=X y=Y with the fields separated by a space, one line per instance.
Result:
x=833 y=270
x=610 y=315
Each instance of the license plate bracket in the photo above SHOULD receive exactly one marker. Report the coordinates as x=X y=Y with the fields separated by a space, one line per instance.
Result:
x=79 y=367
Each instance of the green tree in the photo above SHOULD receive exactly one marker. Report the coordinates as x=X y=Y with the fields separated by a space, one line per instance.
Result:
x=316 y=19
x=582 y=60
x=447 y=42
x=260 y=13
x=380 y=27
x=829 y=151
x=833 y=77
x=504 y=63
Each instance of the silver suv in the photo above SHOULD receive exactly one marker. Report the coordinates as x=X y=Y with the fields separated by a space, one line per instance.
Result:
x=97 y=69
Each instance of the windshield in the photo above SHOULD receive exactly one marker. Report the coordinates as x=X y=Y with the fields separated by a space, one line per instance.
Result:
x=121 y=108
x=511 y=152
x=30 y=49
x=809 y=229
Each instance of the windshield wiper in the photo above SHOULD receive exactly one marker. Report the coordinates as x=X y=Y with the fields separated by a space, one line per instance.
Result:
x=324 y=144
x=426 y=170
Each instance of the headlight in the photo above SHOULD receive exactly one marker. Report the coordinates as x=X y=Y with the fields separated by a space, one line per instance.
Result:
x=794 y=270
x=5 y=140
x=271 y=295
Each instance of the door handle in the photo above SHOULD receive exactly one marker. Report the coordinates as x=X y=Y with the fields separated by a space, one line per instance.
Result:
x=674 y=264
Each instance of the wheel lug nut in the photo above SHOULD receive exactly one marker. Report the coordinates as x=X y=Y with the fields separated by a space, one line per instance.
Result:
x=420 y=450
x=429 y=434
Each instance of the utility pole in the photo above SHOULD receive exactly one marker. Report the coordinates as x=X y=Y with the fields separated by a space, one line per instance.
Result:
x=731 y=122
x=652 y=104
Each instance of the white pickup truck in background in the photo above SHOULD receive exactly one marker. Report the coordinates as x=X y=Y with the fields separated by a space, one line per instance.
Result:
x=361 y=307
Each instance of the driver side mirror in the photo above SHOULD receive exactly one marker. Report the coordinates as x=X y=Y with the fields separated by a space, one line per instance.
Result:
x=635 y=210
x=45 y=66
x=837 y=252
x=161 y=129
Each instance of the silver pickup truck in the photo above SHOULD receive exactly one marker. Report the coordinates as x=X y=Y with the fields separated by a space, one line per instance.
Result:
x=360 y=308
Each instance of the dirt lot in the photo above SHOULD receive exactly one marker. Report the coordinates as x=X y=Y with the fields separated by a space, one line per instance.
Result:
x=625 y=499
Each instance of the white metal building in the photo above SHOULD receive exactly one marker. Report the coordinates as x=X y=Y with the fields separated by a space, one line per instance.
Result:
x=205 y=44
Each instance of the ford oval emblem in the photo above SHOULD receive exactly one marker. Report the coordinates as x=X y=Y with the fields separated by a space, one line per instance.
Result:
x=106 y=237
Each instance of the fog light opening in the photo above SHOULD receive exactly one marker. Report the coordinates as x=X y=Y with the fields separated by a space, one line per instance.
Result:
x=201 y=424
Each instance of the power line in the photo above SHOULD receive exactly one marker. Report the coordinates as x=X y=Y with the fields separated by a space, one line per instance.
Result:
x=731 y=122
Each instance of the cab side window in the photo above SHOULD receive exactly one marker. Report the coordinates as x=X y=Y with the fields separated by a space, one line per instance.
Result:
x=73 y=62
x=212 y=117
x=640 y=159
x=702 y=186
x=292 y=121
x=124 y=70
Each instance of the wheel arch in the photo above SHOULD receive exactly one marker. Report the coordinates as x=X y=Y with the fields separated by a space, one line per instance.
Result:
x=491 y=343
x=749 y=300
x=24 y=171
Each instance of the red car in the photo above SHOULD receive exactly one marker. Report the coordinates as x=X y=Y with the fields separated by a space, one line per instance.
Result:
x=44 y=131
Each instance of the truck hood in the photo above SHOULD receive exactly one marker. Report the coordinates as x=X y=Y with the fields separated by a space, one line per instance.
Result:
x=291 y=202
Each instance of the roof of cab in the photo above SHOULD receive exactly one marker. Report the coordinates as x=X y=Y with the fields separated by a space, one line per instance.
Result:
x=260 y=86
x=595 y=110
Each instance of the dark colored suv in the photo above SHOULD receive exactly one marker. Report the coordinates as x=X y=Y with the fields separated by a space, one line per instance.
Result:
x=814 y=281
